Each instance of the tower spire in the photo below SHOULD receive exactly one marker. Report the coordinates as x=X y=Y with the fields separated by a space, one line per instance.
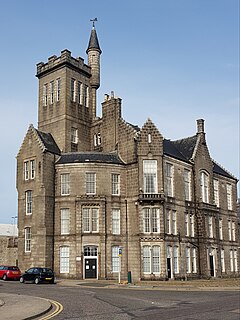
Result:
x=93 y=41
x=93 y=51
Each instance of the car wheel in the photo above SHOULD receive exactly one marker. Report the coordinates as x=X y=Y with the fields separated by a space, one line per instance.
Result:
x=36 y=281
x=21 y=280
x=4 y=277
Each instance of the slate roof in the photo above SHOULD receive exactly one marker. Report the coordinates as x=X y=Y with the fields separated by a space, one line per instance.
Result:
x=92 y=157
x=135 y=127
x=48 y=142
x=170 y=149
x=183 y=150
x=186 y=146
x=219 y=170
x=93 y=41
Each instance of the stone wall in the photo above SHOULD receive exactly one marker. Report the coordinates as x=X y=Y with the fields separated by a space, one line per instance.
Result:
x=8 y=251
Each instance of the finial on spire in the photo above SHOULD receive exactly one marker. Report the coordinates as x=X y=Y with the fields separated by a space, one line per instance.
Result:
x=93 y=21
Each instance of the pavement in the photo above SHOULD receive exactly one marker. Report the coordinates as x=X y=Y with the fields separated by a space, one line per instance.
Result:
x=23 y=307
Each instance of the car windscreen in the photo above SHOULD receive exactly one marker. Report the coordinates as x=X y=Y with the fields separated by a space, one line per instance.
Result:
x=47 y=270
x=13 y=268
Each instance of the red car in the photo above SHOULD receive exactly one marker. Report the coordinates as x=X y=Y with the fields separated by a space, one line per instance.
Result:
x=10 y=272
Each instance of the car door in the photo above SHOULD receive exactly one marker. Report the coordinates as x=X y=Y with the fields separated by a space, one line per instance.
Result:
x=29 y=275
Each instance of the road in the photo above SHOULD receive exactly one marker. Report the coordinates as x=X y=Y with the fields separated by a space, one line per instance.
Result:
x=99 y=303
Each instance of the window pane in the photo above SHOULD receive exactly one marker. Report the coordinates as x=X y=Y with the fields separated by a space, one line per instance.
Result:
x=86 y=220
x=187 y=184
x=205 y=187
x=155 y=220
x=229 y=196
x=65 y=184
x=58 y=89
x=94 y=220
x=28 y=239
x=90 y=183
x=146 y=220
x=116 y=221
x=65 y=221
x=216 y=192
x=73 y=89
x=115 y=259
x=74 y=135
x=155 y=259
x=32 y=168
x=188 y=269
x=64 y=260
x=115 y=184
x=26 y=170
x=150 y=176
x=169 y=179
x=146 y=259
x=29 y=202
x=175 y=259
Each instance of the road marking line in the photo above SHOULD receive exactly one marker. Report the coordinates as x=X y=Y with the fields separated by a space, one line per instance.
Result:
x=58 y=309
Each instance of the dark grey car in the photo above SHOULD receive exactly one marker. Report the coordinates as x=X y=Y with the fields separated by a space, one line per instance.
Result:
x=37 y=275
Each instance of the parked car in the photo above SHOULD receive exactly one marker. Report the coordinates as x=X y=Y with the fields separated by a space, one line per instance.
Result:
x=10 y=272
x=38 y=275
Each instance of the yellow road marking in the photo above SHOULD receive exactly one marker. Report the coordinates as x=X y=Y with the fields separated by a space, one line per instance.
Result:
x=58 y=309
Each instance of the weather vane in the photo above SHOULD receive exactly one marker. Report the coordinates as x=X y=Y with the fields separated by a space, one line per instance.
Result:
x=93 y=21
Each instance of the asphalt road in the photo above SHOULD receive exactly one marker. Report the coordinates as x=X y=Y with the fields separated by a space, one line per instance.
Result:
x=81 y=302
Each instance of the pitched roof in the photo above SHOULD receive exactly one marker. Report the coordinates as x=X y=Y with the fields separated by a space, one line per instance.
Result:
x=48 y=141
x=183 y=150
x=186 y=146
x=220 y=170
x=92 y=157
x=170 y=149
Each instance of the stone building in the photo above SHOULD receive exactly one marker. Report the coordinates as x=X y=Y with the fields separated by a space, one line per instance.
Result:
x=98 y=196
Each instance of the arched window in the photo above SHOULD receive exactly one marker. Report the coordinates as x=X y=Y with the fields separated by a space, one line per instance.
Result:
x=204 y=182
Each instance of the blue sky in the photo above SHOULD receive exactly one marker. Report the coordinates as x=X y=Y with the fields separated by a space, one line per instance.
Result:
x=173 y=61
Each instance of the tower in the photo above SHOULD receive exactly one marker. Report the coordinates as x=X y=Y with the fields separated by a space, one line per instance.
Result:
x=67 y=96
x=93 y=51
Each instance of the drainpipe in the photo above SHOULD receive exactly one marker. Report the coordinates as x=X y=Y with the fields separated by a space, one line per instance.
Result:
x=105 y=240
x=126 y=210
x=53 y=228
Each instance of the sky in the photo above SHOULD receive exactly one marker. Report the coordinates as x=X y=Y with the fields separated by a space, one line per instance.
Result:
x=173 y=61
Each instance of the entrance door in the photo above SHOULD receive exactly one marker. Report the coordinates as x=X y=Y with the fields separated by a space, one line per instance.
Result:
x=169 y=271
x=90 y=268
x=211 y=263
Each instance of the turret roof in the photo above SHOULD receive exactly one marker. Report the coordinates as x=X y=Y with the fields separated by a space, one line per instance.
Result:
x=93 y=42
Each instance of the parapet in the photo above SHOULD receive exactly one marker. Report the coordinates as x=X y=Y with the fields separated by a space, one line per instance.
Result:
x=64 y=59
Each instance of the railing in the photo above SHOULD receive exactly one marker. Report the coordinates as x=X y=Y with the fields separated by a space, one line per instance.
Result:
x=151 y=197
